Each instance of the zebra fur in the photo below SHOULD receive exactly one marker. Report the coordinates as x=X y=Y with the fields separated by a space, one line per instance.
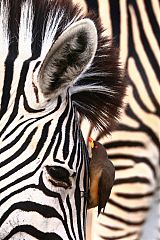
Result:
x=44 y=161
x=133 y=209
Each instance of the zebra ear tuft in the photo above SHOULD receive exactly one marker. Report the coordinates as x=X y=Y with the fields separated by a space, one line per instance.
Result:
x=68 y=57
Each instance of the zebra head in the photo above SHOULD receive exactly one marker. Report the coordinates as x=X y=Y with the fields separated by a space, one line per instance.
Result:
x=55 y=64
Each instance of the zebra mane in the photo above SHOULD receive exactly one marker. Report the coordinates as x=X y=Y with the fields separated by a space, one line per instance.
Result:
x=34 y=25
x=98 y=94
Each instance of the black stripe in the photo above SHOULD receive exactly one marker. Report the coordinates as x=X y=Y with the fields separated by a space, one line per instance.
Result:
x=32 y=231
x=132 y=180
x=47 y=192
x=8 y=77
x=13 y=53
x=138 y=98
x=12 y=143
x=41 y=186
x=142 y=127
x=135 y=159
x=145 y=43
x=135 y=195
x=120 y=236
x=70 y=208
x=28 y=108
x=85 y=157
x=9 y=66
x=122 y=144
x=28 y=206
x=77 y=194
x=132 y=209
x=120 y=168
x=58 y=130
x=146 y=80
x=66 y=149
x=21 y=148
x=30 y=159
x=72 y=156
x=13 y=193
x=120 y=219
x=92 y=5
x=35 y=119
x=38 y=148
x=20 y=91
x=111 y=227
x=13 y=23
x=41 y=10
x=115 y=16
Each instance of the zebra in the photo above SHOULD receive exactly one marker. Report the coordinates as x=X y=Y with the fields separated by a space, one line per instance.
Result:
x=55 y=66
x=134 y=146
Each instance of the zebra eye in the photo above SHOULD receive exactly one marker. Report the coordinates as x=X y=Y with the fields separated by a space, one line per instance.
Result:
x=60 y=176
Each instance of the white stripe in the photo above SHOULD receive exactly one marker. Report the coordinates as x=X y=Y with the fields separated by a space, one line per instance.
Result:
x=156 y=8
x=4 y=39
x=25 y=30
x=148 y=30
x=4 y=43
x=21 y=217
x=154 y=85
x=150 y=120
x=141 y=88
x=123 y=31
x=50 y=32
x=104 y=12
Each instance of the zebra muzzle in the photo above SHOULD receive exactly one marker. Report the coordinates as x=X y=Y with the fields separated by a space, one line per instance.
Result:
x=60 y=177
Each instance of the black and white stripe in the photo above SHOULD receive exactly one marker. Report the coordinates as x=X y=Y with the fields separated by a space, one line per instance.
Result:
x=134 y=146
x=50 y=70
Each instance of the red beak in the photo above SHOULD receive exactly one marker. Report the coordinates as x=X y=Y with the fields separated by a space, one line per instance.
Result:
x=90 y=140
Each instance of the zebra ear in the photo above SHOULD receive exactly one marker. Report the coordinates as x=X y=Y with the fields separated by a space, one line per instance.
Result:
x=68 y=57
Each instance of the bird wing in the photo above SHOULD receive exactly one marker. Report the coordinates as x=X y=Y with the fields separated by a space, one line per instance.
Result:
x=103 y=193
x=105 y=186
